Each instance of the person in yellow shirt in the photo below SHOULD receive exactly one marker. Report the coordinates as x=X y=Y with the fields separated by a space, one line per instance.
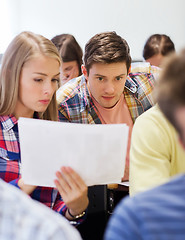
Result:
x=155 y=153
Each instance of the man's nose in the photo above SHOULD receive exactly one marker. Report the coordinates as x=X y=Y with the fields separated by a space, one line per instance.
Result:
x=109 y=88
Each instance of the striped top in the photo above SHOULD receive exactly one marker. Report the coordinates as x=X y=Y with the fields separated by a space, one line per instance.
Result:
x=155 y=214
x=25 y=219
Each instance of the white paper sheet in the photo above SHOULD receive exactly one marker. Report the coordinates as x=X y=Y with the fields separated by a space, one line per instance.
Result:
x=95 y=151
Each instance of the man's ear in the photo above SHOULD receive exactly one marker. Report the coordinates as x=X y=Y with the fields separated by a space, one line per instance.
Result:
x=84 y=71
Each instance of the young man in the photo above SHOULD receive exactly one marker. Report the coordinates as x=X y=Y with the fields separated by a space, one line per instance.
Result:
x=107 y=92
x=158 y=213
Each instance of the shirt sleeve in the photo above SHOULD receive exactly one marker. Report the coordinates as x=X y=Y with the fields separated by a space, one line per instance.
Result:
x=62 y=116
x=15 y=182
x=9 y=171
x=150 y=153
x=145 y=67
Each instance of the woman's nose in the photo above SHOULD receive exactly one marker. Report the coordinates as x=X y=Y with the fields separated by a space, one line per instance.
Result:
x=48 y=88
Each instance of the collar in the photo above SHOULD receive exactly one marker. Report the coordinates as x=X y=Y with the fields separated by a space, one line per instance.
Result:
x=130 y=84
x=8 y=122
x=84 y=95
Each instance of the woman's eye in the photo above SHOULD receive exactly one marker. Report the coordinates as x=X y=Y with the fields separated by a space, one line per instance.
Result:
x=37 y=79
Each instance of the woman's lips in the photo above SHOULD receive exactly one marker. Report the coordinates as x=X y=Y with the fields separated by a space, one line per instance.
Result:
x=44 y=101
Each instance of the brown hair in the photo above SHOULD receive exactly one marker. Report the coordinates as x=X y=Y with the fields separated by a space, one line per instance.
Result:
x=170 y=90
x=68 y=48
x=158 y=43
x=22 y=48
x=107 y=47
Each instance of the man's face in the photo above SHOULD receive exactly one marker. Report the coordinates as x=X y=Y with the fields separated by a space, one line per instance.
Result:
x=106 y=82
x=180 y=118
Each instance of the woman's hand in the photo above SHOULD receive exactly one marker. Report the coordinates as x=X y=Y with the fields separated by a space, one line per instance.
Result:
x=73 y=191
x=28 y=189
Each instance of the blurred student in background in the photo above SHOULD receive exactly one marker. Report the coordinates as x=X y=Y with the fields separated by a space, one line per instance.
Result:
x=156 y=48
x=155 y=153
x=71 y=55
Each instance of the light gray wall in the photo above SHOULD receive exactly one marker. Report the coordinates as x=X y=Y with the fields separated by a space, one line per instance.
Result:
x=134 y=20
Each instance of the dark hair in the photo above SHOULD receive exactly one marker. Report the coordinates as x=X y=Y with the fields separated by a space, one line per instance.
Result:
x=158 y=43
x=107 y=47
x=68 y=48
x=170 y=90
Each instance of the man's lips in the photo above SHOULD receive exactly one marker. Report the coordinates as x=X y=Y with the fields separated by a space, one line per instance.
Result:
x=108 y=97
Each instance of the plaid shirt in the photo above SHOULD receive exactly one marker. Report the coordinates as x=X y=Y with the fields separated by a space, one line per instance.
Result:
x=10 y=166
x=76 y=105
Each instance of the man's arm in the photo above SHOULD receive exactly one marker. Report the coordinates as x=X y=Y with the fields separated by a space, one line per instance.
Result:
x=138 y=67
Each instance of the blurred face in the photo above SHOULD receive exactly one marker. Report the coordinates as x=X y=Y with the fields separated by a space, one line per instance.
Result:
x=106 y=82
x=38 y=82
x=180 y=118
x=155 y=60
x=68 y=71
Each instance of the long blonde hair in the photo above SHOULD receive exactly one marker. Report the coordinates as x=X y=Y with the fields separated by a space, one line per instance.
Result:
x=22 y=48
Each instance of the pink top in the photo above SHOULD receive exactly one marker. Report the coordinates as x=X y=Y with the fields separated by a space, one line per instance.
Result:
x=117 y=114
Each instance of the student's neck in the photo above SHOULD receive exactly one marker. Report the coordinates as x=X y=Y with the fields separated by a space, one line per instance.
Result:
x=23 y=114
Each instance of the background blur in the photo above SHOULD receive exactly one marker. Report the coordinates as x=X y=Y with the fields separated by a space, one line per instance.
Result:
x=134 y=20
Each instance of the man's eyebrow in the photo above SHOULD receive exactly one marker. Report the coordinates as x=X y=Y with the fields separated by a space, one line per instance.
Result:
x=99 y=75
x=57 y=74
x=123 y=74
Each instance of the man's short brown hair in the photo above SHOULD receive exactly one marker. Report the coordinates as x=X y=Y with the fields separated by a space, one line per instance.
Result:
x=107 y=47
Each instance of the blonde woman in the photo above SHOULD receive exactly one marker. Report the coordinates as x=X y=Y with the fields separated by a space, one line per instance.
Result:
x=29 y=79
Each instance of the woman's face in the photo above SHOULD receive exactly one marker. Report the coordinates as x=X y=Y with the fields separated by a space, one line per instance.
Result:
x=68 y=71
x=38 y=82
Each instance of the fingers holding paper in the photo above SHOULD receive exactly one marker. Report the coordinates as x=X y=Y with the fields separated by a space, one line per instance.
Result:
x=73 y=190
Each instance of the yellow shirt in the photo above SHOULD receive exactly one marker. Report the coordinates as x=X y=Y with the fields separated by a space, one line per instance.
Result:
x=156 y=153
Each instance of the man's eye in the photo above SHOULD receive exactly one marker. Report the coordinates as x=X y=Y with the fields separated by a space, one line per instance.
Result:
x=100 y=78
x=118 y=78
x=55 y=80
